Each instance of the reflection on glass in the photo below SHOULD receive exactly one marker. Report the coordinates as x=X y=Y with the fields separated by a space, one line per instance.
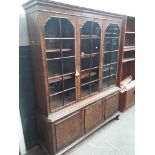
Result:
x=96 y=31
x=95 y=45
x=69 y=96
x=94 y=74
x=116 y=30
x=107 y=58
x=112 y=80
x=115 y=43
x=106 y=82
x=68 y=47
x=94 y=87
x=52 y=45
x=54 y=67
x=114 y=55
x=52 y=55
x=52 y=28
x=109 y=31
x=108 y=44
x=113 y=69
x=85 y=46
x=67 y=30
x=86 y=29
x=68 y=65
x=69 y=81
x=106 y=71
x=56 y=86
x=56 y=101
x=85 y=63
x=85 y=90
x=95 y=60
x=85 y=76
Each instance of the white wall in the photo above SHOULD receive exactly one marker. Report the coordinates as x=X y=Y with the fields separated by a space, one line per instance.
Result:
x=23 y=35
x=114 y=6
x=118 y=6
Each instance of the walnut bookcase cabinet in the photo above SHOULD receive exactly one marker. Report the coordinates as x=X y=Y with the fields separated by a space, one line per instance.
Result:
x=75 y=54
x=127 y=61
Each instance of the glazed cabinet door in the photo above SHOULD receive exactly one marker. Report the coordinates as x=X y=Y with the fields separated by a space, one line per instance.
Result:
x=68 y=130
x=93 y=116
x=89 y=42
x=111 y=106
x=111 y=53
x=59 y=50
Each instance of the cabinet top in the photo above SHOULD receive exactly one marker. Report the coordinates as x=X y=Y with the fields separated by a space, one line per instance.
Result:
x=42 y=4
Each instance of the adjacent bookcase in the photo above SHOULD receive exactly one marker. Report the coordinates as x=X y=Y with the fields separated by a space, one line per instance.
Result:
x=127 y=49
x=127 y=60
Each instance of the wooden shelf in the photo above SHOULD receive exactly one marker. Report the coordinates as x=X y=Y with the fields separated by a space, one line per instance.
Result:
x=57 y=38
x=85 y=75
x=90 y=37
x=129 y=32
x=50 y=59
x=90 y=69
x=88 y=55
x=89 y=82
x=57 y=79
x=63 y=91
x=110 y=51
x=58 y=50
x=128 y=48
x=110 y=33
x=110 y=64
x=128 y=59
x=111 y=37
x=109 y=76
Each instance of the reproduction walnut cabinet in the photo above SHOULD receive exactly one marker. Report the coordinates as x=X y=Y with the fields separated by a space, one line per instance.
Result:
x=75 y=55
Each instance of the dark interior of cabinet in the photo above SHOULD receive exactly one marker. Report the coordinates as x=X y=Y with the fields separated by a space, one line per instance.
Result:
x=129 y=54
x=90 y=56
x=130 y=25
x=60 y=56
x=128 y=69
x=128 y=65
x=111 y=45
x=129 y=39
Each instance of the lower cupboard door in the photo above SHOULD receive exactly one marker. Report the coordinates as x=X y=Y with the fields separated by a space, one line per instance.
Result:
x=68 y=130
x=93 y=116
x=111 y=105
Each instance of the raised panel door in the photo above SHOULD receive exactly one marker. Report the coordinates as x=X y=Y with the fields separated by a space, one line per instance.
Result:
x=93 y=116
x=68 y=130
x=111 y=105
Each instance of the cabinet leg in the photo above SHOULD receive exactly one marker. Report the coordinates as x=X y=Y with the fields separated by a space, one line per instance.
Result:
x=117 y=117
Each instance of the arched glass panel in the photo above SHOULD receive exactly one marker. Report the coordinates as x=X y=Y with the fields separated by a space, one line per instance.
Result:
x=90 y=55
x=60 y=56
x=111 y=45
